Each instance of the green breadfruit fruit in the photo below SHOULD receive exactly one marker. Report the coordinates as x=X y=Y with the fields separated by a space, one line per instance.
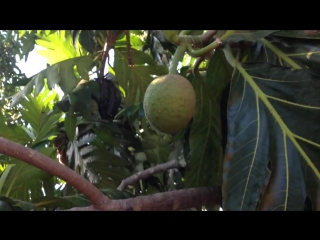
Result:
x=169 y=103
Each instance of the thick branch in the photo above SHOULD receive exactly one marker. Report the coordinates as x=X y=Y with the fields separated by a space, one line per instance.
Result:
x=47 y=164
x=167 y=201
x=148 y=172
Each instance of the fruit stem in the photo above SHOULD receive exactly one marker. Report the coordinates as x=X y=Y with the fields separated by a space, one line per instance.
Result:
x=203 y=51
x=179 y=54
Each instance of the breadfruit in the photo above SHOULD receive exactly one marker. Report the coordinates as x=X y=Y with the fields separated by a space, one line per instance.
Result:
x=169 y=103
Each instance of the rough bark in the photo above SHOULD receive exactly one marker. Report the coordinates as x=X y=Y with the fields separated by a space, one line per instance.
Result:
x=167 y=201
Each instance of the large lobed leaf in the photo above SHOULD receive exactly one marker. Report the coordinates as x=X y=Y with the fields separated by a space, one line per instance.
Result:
x=62 y=74
x=256 y=139
x=135 y=80
x=59 y=46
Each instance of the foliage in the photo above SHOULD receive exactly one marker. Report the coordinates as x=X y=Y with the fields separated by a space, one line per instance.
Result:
x=255 y=132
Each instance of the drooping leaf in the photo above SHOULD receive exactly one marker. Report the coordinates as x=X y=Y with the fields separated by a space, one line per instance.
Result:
x=47 y=129
x=13 y=132
x=87 y=40
x=135 y=80
x=70 y=125
x=62 y=73
x=306 y=34
x=244 y=35
x=23 y=181
x=287 y=137
x=4 y=176
x=156 y=146
x=205 y=166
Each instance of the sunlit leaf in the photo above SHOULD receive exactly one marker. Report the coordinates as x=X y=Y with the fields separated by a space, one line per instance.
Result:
x=62 y=73
x=135 y=80
x=59 y=45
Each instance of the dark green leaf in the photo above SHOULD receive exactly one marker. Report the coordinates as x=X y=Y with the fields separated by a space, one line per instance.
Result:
x=298 y=34
x=255 y=138
x=135 y=80
x=13 y=132
x=86 y=39
x=245 y=35
x=21 y=179
x=70 y=125
x=205 y=139
x=156 y=147
x=6 y=204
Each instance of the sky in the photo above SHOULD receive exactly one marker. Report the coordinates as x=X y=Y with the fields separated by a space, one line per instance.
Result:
x=37 y=63
x=34 y=64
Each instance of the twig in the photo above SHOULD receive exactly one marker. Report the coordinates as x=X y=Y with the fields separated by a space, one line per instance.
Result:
x=148 y=172
x=197 y=64
x=111 y=39
x=47 y=164
x=203 y=51
x=104 y=57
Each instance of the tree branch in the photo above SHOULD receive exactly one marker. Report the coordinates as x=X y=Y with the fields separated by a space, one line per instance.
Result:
x=148 y=172
x=167 y=201
x=30 y=156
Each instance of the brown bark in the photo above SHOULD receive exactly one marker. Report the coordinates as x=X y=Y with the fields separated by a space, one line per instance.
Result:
x=47 y=164
x=167 y=201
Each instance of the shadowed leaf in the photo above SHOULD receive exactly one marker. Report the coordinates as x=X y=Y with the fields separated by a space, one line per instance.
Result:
x=255 y=138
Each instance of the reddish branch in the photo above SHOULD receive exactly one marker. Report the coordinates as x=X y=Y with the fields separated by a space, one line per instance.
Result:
x=168 y=201
x=148 y=172
x=197 y=64
x=47 y=164
x=112 y=37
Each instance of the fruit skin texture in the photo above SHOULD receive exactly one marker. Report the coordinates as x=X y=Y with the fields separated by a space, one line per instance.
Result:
x=169 y=103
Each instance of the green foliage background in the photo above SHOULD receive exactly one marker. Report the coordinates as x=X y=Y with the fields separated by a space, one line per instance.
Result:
x=260 y=142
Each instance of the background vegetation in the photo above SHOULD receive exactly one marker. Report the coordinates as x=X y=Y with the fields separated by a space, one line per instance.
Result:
x=253 y=144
